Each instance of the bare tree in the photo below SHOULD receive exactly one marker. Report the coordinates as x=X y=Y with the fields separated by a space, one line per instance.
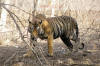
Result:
x=4 y=16
x=35 y=2
x=53 y=9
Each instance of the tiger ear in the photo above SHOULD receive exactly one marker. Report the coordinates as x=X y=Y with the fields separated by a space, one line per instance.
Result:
x=33 y=13
x=29 y=21
x=41 y=22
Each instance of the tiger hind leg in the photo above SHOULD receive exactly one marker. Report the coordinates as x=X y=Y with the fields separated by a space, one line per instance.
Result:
x=78 y=45
x=67 y=42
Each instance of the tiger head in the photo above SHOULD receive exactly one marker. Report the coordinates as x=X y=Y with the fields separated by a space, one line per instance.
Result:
x=35 y=26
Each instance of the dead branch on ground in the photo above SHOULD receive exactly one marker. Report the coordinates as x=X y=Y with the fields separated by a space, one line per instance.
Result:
x=12 y=15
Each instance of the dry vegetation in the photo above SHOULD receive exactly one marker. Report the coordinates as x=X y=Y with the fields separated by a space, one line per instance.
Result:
x=12 y=47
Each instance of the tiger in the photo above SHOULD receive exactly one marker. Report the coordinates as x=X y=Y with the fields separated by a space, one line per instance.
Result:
x=51 y=28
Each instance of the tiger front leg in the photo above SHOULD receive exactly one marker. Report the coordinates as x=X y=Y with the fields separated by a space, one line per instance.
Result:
x=50 y=45
x=29 y=52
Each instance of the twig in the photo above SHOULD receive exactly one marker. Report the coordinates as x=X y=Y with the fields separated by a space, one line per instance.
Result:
x=12 y=16
x=41 y=51
x=10 y=58
x=21 y=34
x=16 y=7
x=10 y=13
x=18 y=19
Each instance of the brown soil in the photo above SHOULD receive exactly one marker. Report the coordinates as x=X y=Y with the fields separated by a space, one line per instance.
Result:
x=13 y=56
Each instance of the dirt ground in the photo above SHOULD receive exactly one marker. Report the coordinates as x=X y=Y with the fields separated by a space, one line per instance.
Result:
x=13 y=56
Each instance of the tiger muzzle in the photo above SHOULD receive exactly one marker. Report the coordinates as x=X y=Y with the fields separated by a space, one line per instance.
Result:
x=33 y=38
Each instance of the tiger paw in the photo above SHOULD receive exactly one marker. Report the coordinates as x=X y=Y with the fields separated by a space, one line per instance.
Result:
x=75 y=50
x=70 y=49
x=27 y=55
x=50 y=55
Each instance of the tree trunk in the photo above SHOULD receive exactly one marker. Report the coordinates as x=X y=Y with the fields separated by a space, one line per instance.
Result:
x=53 y=8
x=4 y=17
